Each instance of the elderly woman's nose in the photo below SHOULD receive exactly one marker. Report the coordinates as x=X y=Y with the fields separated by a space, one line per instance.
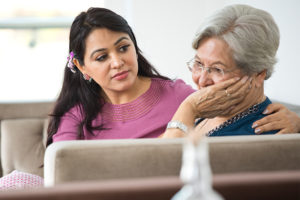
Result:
x=204 y=80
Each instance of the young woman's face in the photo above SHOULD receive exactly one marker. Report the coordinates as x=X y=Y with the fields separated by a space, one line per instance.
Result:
x=216 y=57
x=111 y=60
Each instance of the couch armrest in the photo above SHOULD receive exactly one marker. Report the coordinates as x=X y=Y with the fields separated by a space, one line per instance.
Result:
x=22 y=146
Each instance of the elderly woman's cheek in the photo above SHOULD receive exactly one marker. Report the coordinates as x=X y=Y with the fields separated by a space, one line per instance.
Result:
x=196 y=80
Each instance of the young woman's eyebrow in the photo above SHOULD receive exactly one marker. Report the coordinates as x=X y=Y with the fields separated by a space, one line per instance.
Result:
x=102 y=49
x=120 y=39
x=97 y=50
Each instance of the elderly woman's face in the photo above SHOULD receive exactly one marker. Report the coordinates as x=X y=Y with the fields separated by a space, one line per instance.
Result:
x=213 y=63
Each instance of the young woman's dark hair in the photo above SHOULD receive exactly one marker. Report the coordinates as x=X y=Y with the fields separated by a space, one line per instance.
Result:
x=78 y=91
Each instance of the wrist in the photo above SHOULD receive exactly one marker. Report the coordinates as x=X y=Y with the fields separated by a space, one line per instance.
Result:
x=178 y=125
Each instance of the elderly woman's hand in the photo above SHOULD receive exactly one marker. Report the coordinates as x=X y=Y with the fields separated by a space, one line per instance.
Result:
x=279 y=118
x=219 y=99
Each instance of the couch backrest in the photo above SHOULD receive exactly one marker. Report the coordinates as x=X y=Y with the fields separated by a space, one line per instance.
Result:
x=25 y=110
x=110 y=159
x=254 y=153
x=69 y=161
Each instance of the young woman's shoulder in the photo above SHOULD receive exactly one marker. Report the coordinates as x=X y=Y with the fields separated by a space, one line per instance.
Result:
x=175 y=84
x=69 y=123
x=76 y=113
x=173 y=89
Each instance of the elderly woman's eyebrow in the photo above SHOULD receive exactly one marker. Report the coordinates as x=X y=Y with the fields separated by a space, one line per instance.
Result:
x=214 y=63
x=219 y=63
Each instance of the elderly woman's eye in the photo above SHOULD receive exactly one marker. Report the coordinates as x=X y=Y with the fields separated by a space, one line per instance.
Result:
x=197 y=63
x=217 y=70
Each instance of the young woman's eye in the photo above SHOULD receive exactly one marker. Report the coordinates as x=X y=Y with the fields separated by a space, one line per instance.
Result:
x=101 y=58
x=124 y=48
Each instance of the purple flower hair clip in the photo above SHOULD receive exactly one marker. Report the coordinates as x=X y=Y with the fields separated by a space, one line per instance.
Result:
x=70 y=62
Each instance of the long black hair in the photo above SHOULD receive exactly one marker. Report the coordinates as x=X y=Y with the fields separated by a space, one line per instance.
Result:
x=77 y=91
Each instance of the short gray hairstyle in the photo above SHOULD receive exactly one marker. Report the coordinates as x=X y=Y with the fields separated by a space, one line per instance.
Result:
x=251 y=33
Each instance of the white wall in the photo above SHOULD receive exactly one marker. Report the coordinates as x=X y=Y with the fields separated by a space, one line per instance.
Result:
x=165 y=28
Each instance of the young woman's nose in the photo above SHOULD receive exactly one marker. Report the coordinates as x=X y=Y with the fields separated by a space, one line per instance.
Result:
x=116 y=61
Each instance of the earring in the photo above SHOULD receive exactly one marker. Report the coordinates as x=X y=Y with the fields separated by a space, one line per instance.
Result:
x=87 y=77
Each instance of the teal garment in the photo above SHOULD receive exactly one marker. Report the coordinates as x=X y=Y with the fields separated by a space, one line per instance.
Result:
x=243 y=125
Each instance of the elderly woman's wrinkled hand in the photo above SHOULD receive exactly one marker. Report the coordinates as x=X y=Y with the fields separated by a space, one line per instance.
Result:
x=279 y=118
x=219 y=99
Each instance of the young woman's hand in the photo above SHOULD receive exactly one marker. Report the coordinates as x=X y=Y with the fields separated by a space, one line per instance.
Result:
x=278 y=118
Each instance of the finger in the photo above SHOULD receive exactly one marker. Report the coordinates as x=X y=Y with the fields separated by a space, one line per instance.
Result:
x=285 y=131
x=241 y=88
x=234 y=105
x=277 y=116
x=268 y=127
x=225 y=84
x=281 y=132
x=274 y=107
x=235 y=91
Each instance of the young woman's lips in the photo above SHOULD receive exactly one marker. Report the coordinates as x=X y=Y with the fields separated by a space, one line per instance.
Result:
x=121 y=75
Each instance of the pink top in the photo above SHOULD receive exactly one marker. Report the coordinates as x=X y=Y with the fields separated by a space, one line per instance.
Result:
x=145 y=117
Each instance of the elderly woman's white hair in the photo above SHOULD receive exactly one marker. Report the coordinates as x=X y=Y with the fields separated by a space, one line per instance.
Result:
x=251 y=33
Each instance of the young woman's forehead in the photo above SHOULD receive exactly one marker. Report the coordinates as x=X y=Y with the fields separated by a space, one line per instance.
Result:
x=104 y=38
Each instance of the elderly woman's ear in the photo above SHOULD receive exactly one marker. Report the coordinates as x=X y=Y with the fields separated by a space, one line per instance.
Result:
x=259 y=78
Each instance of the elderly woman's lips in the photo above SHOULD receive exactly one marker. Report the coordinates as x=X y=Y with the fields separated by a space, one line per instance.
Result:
x=121 y=75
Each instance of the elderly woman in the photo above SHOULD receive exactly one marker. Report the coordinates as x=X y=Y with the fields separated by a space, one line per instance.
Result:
x=236 y=41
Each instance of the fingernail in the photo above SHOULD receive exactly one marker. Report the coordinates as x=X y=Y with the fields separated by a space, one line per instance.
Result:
x=245 y=79
x=254 y=125
x=237 y=78
x=257 y=130
x=266 y=111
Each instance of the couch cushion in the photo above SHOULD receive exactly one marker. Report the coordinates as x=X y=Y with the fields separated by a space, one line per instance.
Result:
x=20 y=180
x=22 y=145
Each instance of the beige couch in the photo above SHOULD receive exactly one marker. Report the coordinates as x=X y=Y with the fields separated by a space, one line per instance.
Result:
x=23 y=135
